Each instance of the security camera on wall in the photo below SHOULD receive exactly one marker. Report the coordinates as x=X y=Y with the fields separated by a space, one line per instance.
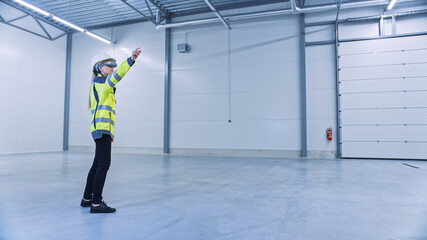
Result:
x=183 y=48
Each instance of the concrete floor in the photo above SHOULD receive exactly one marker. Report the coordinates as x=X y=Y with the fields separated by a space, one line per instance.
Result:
x=176 y=197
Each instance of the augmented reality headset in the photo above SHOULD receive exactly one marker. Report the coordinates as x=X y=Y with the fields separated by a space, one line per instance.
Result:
x=110 y=63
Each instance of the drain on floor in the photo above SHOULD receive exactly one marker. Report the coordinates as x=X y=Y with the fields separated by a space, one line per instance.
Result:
x=409 y=165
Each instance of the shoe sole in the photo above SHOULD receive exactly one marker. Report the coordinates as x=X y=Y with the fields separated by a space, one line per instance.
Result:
x=91 y=211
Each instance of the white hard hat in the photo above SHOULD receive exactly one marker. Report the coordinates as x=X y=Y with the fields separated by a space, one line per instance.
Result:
x=102 y=58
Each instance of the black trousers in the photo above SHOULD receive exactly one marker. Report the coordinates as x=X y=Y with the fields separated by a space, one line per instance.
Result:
x=98 y=171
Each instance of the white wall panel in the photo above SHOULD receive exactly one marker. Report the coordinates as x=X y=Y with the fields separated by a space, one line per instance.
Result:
x=321 y=98
x=273 y=135
x=29 y=107
x=139 y=95
x=146 y=84
x=411 y=24
x=203 y=107
x=212 y=48
x=320 y=74
x=264 y=49
x=201 y=55
x=316 y=135
x=321 y=104
x=320 y=33
x=80 y=110
x=145 y=109
x=146 y=134
x=320 y=16
x=278 y=105
x=284 y=25
x=9 y=91
x=358 y=30
x=80 y=87
x=197 y=81
x=33 y=90
x=262 y=78
x=79 y=134
x=266 y=135
x=252 y=78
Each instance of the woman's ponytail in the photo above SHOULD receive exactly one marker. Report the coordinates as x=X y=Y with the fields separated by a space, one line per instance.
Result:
x=90 y=88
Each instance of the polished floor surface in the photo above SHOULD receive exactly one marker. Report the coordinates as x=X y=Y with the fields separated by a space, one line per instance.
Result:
x=203 y=198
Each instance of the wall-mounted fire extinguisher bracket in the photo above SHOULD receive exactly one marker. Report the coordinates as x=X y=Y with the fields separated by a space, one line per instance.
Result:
x=329 y=134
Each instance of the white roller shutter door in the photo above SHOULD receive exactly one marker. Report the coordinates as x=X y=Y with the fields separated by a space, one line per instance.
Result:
x=383 y=98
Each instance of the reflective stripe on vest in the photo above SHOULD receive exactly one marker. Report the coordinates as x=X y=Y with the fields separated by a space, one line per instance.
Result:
x=104 y=120
x=103 y=107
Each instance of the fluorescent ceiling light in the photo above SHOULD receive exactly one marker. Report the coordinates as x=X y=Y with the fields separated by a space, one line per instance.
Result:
x=61 y=20
x=67 y=23
x=97 y=37
x=391 y=4
x=33 y=7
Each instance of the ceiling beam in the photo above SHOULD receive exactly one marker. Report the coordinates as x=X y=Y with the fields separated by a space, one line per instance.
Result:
x=218 y=14
x=159 y=7
x=149 y=9
x=145 y=16
x=17 y=18
x=43 y=28
x=38 y=16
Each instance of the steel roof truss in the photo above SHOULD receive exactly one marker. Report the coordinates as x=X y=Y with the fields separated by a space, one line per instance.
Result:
x=145 y=16
x=159 y=7
x=218 y=14
x=44 y=19
x=149 y=9
x=41 y=26
x=15 y=19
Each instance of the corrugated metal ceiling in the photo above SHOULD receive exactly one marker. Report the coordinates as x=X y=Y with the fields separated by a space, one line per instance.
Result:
x=94 y=13
x=97 y=13
x=91 y=14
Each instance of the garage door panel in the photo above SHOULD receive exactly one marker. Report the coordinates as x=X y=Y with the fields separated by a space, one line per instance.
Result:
x=391 y=44
x=383 y=71
x=384 y=100
x=386 y=116
x=408 y=133
x=385 y=57
x=384 y=150
x=388 y=84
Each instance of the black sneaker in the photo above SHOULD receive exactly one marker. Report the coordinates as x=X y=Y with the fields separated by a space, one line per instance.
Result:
x=102 y=208
x=85 y=203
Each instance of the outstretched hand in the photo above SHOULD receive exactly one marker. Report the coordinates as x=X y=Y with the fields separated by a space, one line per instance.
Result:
x=135 y=54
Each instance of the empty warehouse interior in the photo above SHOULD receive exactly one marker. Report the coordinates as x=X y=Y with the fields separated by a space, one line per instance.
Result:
x=238 y=119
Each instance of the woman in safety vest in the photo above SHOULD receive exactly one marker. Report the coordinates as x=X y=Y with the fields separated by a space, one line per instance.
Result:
x=103 y=109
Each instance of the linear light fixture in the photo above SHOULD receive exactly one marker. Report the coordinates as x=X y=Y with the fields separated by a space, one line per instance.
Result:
x=391 y=4
x=97 y=37
x=33 y=7
x=67 y=23
x=61 y=20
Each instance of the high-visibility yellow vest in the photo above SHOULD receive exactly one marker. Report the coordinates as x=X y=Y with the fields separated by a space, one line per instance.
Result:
x=103 y=100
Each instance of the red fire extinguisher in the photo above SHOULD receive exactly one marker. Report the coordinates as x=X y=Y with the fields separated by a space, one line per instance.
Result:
x=329 y=134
